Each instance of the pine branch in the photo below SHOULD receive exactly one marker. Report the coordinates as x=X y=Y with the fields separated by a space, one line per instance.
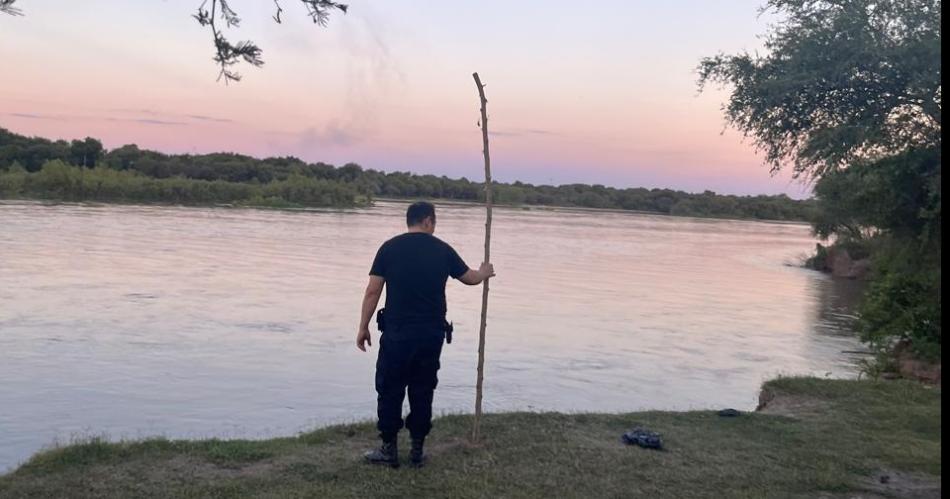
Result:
x=319 y=10
x=228 y=54
x=6 y=6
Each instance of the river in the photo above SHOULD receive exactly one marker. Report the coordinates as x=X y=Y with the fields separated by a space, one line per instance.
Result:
x=136 y=321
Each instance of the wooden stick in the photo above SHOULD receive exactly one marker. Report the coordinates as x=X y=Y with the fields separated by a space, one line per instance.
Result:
x=488 y=204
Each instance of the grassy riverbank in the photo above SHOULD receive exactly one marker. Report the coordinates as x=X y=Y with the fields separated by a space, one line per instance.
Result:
x=814 y=438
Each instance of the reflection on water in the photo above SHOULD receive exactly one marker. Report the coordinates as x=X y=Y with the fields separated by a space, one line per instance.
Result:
x=135 y=321
x=838 y=299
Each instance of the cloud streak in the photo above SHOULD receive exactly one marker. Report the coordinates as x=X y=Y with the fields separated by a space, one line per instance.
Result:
x=140 y=120
x=331 y=135
x=148 y=121
x=167 y=118
x=200 y=117
x=33 y=116
x=521 y=133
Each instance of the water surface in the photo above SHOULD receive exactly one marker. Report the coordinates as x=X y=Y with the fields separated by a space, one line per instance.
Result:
x=132 y=321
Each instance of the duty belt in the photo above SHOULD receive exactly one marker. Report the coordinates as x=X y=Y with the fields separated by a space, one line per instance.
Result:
x=381 y=325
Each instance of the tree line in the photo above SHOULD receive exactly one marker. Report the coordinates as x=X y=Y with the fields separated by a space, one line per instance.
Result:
x=361 y=184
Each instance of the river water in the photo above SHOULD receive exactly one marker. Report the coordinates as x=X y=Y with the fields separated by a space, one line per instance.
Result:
x=135 y=321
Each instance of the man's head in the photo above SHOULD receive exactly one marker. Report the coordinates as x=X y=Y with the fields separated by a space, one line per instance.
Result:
x=421 y=217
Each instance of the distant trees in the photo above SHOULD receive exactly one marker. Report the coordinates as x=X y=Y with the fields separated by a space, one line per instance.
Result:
x=61 y=181
x=85 y=153
x=848 y=94
x=33 y=153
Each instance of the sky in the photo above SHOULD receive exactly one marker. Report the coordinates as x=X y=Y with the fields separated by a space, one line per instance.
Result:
x=590 y=92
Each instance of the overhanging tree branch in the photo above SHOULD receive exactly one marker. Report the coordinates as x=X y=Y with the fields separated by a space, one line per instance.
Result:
x=319 y=10
x=6 y=6
x=228 y=54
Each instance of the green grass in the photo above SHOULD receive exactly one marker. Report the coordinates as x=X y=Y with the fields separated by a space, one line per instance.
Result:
x=816 y=438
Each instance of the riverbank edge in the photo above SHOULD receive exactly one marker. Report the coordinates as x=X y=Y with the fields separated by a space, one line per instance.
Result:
x=361 y=205
x=809 y=436
x=582 y=209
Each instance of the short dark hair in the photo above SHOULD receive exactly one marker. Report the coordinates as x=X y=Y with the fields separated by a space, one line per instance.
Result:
x=418 y=212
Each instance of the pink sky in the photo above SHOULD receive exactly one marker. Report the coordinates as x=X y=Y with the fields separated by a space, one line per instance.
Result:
x=601 y=94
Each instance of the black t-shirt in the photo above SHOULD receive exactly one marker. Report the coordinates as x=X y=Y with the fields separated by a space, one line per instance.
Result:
x=416 y=266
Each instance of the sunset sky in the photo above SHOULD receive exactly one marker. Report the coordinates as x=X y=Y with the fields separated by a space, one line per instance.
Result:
x=594 y=92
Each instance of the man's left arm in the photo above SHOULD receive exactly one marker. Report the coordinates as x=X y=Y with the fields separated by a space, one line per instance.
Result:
x=374 y=289
x=459 y=270
x=473 y=277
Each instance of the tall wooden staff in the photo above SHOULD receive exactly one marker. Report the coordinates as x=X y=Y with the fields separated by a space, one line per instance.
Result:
x=488 y=203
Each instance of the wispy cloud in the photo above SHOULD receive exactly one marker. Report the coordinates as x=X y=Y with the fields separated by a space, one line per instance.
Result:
x=141 y=120
x=34 y=116
x=330 y=135
x=148 y=121
x=150 y=112
x=371 y=72
x=521 y=132
x=200 y=117
x=165 y=118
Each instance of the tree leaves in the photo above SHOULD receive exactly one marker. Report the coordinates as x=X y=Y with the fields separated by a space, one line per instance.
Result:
x=228 y=54
x=841 y=81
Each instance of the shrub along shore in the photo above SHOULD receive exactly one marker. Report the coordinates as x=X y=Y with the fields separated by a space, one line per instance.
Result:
x=813 y=438
x=61 y=182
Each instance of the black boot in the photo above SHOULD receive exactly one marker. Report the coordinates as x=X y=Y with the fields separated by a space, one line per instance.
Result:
x=416 y=456
x=387 y=454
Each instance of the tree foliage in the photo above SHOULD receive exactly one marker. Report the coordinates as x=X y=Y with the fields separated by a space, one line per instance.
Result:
x=899 y=195
x=841 y=81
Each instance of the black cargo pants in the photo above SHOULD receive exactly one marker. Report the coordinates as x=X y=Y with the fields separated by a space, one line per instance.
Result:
x=408 y=359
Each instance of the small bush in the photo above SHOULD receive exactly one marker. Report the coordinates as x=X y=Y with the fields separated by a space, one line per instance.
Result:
x=902 y=307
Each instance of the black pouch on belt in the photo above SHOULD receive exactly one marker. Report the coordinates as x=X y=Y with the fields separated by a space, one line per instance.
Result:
x=448 y=331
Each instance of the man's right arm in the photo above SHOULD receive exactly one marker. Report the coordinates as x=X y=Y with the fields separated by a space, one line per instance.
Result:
x=374 y=289
x=473 y=277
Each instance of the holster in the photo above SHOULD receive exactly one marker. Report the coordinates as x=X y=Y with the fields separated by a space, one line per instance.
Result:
x=448 y=331
x=380 y=320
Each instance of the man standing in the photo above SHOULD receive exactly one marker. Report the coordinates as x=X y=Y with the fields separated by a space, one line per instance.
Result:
x=414 y=267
